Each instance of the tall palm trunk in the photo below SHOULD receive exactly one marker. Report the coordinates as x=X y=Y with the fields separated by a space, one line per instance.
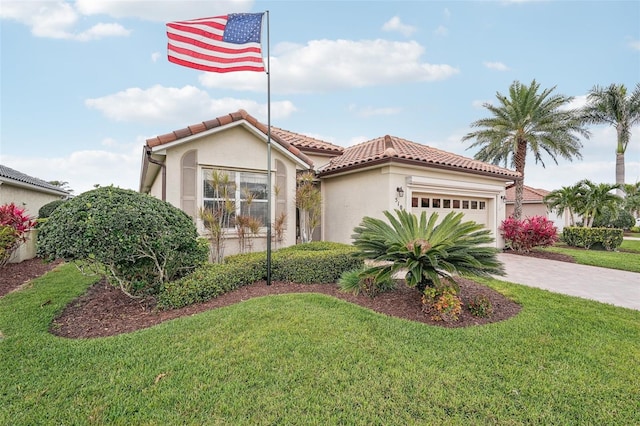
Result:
x=520 y=160
x=620 y=172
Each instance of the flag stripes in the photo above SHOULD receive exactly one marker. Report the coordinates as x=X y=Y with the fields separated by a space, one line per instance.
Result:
x=204 y=44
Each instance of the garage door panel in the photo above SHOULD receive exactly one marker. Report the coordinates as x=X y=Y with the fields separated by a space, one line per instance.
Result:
x=475 y=209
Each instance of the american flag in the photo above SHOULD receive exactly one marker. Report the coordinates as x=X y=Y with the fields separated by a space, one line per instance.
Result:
x=219 y=44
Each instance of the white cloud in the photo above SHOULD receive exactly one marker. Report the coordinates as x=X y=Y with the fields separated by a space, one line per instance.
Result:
x=441 y=31
x=577 y=102
x=498 y=66
x=177 y=106
x=369 y=111
x=102 y=30
x=61 y=19
x=57 y=20
x=447 y=13
x=84 y=169
x=161 y=11
x=155 y=56
x=634 y=44
x=395 y=24
x=330 y=65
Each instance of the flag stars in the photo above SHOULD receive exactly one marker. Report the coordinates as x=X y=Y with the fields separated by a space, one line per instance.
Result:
x=243 y=28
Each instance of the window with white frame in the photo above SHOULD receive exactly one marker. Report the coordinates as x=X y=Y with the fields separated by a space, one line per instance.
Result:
x=232 y=193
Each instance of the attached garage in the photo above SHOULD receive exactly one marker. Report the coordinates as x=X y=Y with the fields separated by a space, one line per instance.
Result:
x=392 y=173
x=475 y=209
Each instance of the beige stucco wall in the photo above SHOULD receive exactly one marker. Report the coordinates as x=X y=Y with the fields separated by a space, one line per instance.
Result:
x=233 y=148
x=539 y=209
x=348 y=198
x=31 y=201
x=26 y=250
x=529 y=210
x=23 y=197
x=318 y=160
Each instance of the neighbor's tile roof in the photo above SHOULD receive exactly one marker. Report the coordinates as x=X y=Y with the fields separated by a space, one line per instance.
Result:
x=7 y=174
x=529 y=195
x=293 y=142
x=307 y=143
x=391 y=148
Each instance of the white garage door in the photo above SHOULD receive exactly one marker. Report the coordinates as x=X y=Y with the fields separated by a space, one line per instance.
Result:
x=475 y=209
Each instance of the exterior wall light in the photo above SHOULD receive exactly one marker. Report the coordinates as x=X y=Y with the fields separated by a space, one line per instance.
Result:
x=400 y=192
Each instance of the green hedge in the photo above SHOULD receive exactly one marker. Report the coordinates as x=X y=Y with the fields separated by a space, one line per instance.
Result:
x=212 y=280
x=315 y=262
x=609 y=238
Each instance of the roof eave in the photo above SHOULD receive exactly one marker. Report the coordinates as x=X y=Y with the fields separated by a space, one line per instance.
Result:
x=385 y=160
x=26 y=185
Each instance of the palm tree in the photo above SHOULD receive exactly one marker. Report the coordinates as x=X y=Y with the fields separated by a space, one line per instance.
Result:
x=612 y=106
x=564 y=199
x=632 y=198
x=527 y=122
x=428 y=252
x=595 y=199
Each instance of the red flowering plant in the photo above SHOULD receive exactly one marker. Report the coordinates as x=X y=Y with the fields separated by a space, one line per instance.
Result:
x=14 y=226
x=523 y=235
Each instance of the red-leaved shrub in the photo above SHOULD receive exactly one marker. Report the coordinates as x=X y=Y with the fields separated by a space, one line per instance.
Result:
x=523 y=235
x=15 y=224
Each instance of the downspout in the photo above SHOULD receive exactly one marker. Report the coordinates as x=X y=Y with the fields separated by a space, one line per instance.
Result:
x=163 y=166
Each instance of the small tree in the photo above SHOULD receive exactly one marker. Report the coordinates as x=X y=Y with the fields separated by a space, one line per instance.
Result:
x=139 y=242
x=218 y=217
x=15 y=225
x=308 y=202
x=279 y=228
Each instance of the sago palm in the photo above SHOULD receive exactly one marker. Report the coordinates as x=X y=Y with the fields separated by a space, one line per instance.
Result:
x=612 y=105
x=427 y=251
x=527 y=121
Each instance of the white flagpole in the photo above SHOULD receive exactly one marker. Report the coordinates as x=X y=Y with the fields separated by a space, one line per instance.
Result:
x=269 y=189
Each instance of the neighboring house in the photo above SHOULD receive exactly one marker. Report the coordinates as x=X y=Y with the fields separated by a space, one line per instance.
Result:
x=363 y=180
x=29 y=193
x=533 y=205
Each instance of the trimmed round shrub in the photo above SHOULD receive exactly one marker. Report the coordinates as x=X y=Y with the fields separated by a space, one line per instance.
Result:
x=46 y=210
x=139 y=242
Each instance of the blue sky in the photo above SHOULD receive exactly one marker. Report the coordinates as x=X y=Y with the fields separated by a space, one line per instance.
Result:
x=84 y=83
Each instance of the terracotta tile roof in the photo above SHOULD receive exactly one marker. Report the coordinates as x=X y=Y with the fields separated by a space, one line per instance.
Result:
x=9 y=175
x=307 y=143
x=293 y=142
x=529 y=195
x=390 y=148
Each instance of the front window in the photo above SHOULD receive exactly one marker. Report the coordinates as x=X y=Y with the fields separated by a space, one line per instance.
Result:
x=230 y=194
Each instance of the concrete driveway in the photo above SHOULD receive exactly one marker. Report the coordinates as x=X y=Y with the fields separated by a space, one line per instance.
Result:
x=619 y=288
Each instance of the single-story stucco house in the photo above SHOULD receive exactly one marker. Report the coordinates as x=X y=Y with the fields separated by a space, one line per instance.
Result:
x=533 y=205
x=29 y=193
x=366 y=179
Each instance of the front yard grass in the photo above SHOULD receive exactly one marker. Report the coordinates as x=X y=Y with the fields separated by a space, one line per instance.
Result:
x=313 y=359
x=628 y=260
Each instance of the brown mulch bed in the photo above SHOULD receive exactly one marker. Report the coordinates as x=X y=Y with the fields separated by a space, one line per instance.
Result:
x=14 y=275
x=105 y=311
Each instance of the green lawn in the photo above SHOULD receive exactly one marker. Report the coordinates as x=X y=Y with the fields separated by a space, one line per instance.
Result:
x=628 y=260
x=312 y=359
x=631 y=245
